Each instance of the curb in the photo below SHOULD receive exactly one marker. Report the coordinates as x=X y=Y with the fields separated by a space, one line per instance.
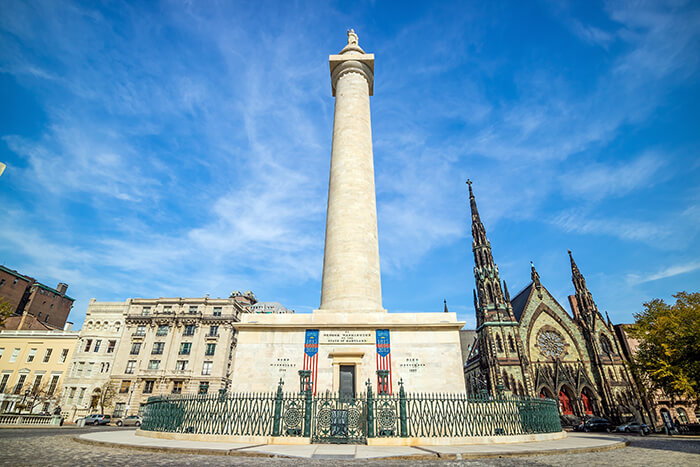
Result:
x=542 y=452
x=205 y=451
x=430 y=454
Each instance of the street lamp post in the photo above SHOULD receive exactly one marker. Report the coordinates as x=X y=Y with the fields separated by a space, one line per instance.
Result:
x=26 y=393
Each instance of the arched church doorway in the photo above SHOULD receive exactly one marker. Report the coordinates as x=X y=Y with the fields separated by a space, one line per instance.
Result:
x=587 y=402
x=545 y=393
x=566 y=406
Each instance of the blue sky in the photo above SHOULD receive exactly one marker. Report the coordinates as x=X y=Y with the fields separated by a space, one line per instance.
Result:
x=182 y=148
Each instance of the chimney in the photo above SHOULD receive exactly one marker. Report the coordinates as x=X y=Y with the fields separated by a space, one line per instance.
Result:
x=574 y=305
x=62 y=287
x=68 y=326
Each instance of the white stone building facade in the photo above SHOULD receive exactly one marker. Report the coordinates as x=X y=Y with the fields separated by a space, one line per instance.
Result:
x=175 y=346
x=85 y=388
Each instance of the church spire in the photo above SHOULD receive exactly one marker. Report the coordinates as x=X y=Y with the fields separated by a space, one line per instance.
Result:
x=491 y=301
x=584 y=299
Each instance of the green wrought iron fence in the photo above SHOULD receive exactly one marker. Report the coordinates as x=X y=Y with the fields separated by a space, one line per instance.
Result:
x=336 y=418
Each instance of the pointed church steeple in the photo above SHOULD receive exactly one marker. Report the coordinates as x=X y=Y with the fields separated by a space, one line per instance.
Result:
x=492 y=305
x=584 y=300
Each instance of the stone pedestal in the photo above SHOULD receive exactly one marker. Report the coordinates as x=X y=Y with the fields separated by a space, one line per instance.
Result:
x=425 y=350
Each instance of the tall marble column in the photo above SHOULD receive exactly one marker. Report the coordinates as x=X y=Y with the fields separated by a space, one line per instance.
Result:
x=351 y=280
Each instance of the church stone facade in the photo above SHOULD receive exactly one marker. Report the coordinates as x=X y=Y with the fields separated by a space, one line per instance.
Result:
x=530 y=346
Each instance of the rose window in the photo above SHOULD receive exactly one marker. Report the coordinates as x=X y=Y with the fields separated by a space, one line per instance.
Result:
x=550 y=343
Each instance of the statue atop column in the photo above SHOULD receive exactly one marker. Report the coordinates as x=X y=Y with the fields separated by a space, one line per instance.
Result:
x=352 y=37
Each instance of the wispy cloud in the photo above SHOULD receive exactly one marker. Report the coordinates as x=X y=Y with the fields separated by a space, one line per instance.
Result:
x=626 y=229
x=670 y=271
x=596 y=181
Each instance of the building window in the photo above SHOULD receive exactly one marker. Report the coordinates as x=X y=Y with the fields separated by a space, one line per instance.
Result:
x=53 y=384
x=158 y=348
x=217 y=311
x=185 y=348
x=162 y=330
x=206 y=368
x=2 y=282
x=135 y=348
x=153 y=364
x=81 y=365
x=3 y=382
x=682 y=415
x=30 y=357
x=19 y=384
x=511 y=343
x=499 y=345
x=189 y=330
x=124 y=388
x=47 y=355
x=110 y=346
x=98 y=342
x=15 y=354
x=80 y=397
x=37 y=384
x=167 y=309
x=2 y=351
x=193 y=309
x=119 y=409
x=140 y=330
x=177 y=387
x=90 y=366
x=213 y=331
x=148 y=386
x=204 y=387
x=71 y=394
x=130 y=365
x=210 y=349
x=181 y=365
x=145 y=311
x=88 y=343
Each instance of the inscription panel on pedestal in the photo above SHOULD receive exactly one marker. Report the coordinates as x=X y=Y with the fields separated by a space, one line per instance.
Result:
x=347 y=337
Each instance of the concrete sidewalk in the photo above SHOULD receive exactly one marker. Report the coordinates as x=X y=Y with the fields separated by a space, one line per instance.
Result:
x=574 y=443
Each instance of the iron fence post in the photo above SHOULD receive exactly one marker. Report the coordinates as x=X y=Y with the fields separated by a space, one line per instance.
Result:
x=308 y=405
x=402 y=410
x=370 y=411
x=278 y=410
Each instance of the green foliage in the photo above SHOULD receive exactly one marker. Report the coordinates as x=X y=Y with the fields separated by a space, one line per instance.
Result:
x=669 y=345
x=5 y=311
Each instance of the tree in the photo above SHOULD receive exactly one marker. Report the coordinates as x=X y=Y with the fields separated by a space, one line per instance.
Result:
x=107 y=393
x=668 y=356
x=5 y=310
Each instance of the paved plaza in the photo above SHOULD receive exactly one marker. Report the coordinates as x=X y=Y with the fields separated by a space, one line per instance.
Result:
x=57 y=447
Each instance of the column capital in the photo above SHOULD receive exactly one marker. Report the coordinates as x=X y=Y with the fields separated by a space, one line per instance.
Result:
x=352 y=62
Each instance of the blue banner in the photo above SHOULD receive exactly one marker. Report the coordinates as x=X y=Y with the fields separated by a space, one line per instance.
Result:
x=383 y=344
x=311 y=342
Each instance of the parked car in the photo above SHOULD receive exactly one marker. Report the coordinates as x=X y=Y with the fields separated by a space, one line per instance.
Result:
x=597 y=424
x=131 y=420
x=634 y=427
x=97 y=419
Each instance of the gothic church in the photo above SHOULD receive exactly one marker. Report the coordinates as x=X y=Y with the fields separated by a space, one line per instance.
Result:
x=530 y=346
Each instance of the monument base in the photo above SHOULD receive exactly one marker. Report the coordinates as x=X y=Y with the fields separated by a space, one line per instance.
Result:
x=424 y=351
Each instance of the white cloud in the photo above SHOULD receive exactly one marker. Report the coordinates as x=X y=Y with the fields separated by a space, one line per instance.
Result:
x=670 y=271
x=600 y=180
x=626 y=229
